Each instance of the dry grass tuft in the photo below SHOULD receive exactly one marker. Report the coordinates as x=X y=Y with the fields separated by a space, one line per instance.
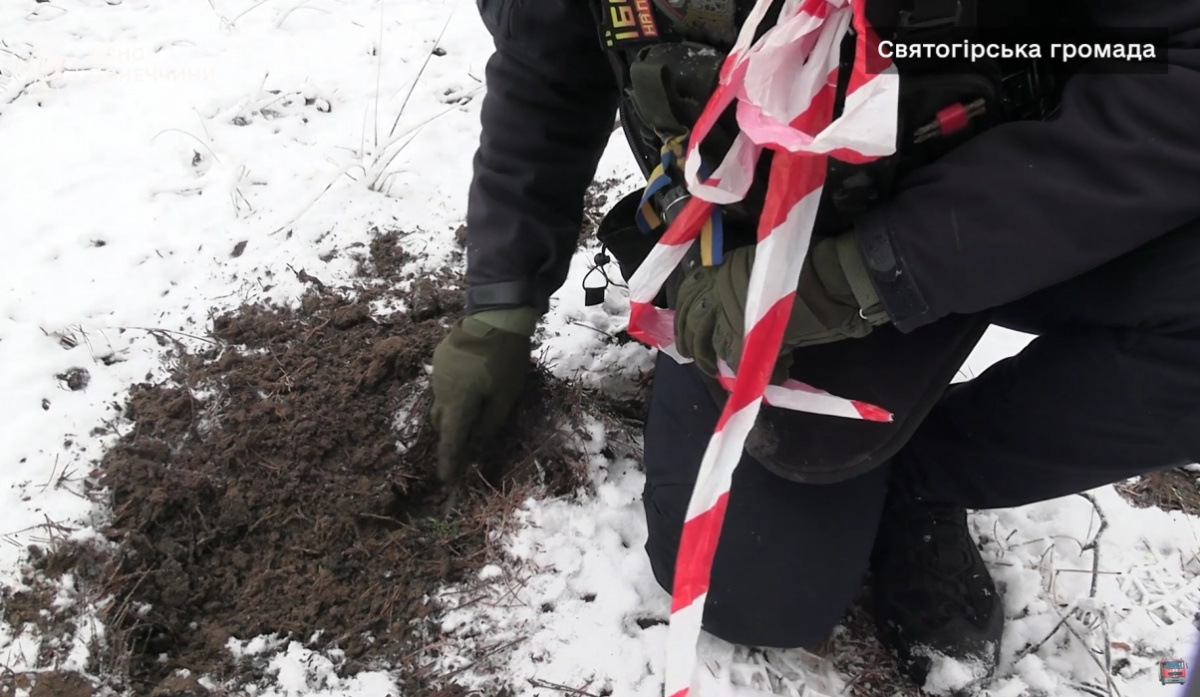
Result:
x=1170 y=490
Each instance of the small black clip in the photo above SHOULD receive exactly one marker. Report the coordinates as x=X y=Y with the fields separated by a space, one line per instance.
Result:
x=595 y=295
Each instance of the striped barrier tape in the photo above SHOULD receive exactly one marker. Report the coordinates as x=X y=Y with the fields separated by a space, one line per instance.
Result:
x=785 y=85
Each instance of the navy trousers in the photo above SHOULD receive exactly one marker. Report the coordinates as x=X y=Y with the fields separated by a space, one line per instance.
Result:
x=1108 y=390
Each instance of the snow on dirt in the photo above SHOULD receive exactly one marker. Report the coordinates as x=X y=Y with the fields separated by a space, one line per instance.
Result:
x=163 y=163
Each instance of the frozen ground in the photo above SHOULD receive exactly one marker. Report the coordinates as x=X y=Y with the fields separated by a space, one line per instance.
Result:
x=159 y=160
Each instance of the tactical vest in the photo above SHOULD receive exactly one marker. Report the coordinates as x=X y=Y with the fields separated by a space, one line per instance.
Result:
x=667 y=54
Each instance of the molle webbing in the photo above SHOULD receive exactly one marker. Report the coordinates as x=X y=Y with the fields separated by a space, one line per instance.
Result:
x=713 y=21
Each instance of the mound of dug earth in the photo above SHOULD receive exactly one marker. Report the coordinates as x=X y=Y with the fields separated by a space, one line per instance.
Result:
x=282 y=483
x=1169 y=490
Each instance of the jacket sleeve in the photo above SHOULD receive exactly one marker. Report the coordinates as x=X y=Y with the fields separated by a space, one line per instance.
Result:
x=546 y=119
x=1027 y=205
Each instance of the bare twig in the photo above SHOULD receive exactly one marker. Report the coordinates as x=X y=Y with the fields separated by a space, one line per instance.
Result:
x=379 y=173
x=1033 y=649
x=156 y=330
x=343 y=171
x=421 y=72
x=1112 y=687
x=300 y=6
x=561 y=688
x=1107 y=653
x=52 y=471
x=252 y=8
x=485 y=654
x=378 y=77
x=1106 y=666
x=189 y=135
x=601 y=332
x=44 y=78
x=1094 y=545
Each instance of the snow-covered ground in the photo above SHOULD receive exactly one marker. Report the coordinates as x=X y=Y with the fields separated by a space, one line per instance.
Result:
x=159 y=160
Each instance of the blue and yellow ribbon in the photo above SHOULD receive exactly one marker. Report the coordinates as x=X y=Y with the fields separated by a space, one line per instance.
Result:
x=648 y=220
x=712 y=235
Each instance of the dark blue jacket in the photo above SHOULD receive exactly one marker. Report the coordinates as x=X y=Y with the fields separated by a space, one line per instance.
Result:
x=1021 y=207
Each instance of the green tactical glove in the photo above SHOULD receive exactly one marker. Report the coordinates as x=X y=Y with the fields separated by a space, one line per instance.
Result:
x=835 y=300
x=479 y=370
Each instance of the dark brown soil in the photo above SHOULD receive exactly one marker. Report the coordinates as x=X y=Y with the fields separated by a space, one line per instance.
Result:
x=47 y=684
x=870 y=669
x=1170 y=490
x=600 y=196
x=281 y=483
x=37 y=605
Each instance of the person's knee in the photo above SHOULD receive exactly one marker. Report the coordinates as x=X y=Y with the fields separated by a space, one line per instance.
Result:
x=791 y=556
x=785 y=623
x=740 y=611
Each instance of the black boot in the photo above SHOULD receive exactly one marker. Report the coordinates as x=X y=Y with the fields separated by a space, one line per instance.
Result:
x=932 y=595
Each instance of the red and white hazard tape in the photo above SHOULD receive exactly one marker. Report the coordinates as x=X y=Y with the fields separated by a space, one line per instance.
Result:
x=798 y=396
x=785 y=87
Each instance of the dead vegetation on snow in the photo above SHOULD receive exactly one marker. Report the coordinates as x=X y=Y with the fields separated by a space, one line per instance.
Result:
x=281 y=482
